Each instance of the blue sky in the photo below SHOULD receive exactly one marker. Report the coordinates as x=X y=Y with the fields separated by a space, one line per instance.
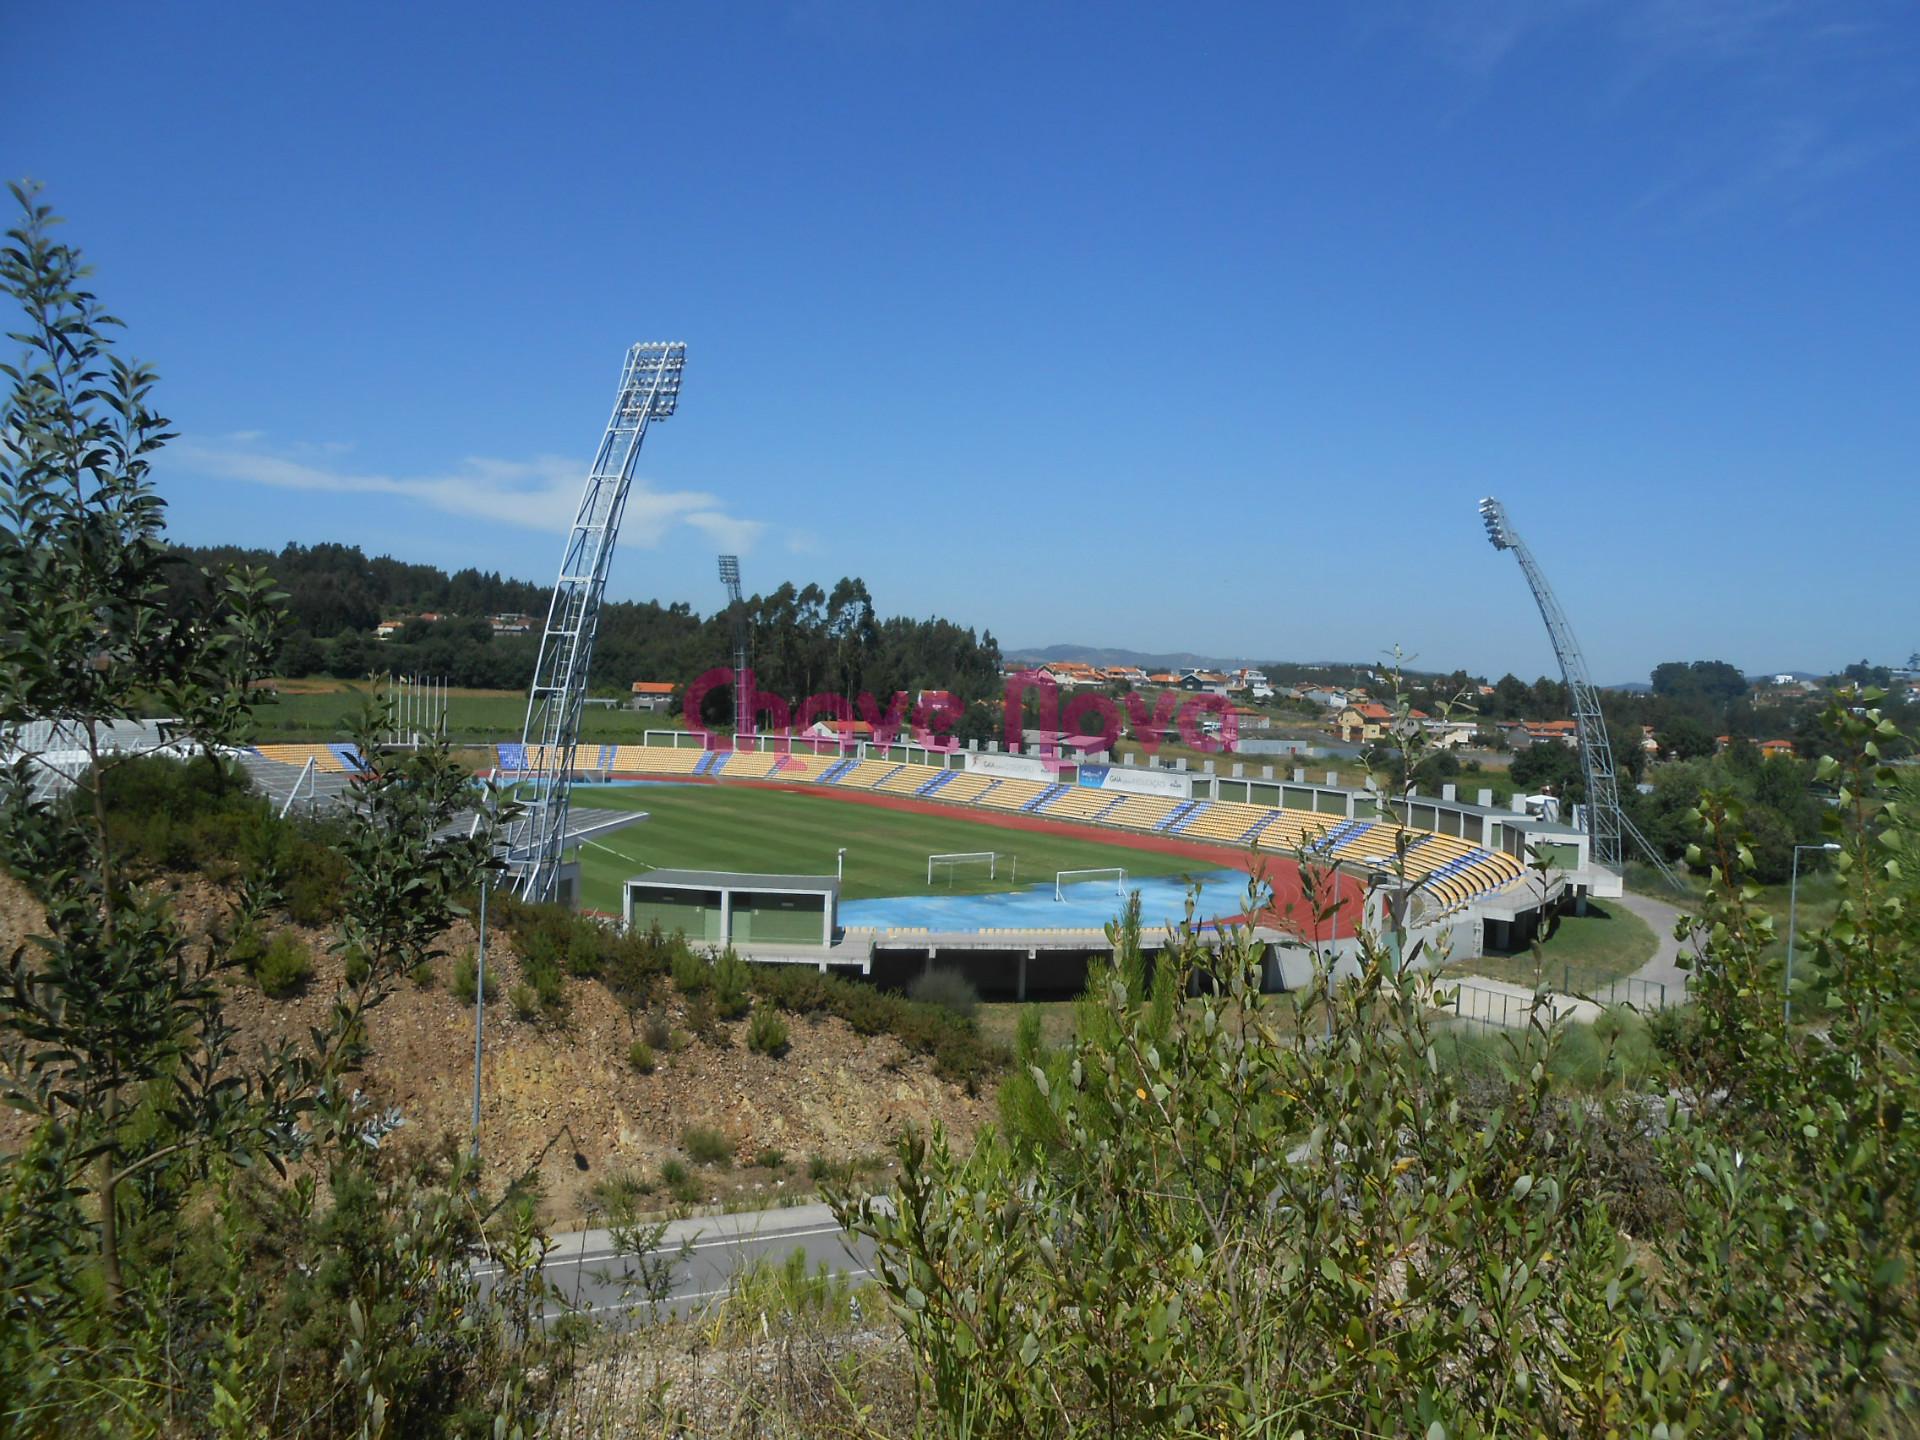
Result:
x=1175 y=327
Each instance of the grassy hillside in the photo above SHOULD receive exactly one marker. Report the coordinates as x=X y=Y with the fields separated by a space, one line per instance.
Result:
x=323 y=709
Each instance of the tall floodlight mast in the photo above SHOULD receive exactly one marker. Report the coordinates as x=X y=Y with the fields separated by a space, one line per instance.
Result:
x=1607 y=823
x=742 y=696
x=649 y=390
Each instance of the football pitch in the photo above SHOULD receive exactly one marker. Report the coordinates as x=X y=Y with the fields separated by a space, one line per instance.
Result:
x=722 y=827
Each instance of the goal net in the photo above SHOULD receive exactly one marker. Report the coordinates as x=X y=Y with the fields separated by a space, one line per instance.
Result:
x=948 y=864
x=1061 y=877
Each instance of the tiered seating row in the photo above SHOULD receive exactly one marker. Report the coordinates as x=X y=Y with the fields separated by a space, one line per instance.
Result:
x=332 y=759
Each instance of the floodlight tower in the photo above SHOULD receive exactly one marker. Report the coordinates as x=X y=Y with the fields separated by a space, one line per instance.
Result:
x=649 y=390
x=742 y=689
x=1607 y=823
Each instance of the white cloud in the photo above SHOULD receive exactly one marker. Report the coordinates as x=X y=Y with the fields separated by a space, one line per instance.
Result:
x=538 y=494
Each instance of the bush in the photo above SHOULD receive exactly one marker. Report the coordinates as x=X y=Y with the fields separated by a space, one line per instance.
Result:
x=640 y=1056
x=771 y=1159
x=732 y=978
x=692 y=975
x=657 y=1032
x=466 y=977
x=706 y=1146
x=767 y=1033
x=284 y=966
x=526 y=1001
x=358 y=966
x=953 y=1041
x=700 y=1018
x=948 y=989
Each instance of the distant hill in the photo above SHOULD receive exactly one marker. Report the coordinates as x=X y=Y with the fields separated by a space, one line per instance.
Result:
x=1109 y=655
x=1104 y=655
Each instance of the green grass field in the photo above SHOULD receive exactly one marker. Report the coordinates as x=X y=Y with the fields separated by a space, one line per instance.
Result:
x=719 y=827
x=323 y=709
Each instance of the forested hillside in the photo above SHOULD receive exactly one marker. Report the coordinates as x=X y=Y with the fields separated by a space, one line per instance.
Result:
x=805 y=640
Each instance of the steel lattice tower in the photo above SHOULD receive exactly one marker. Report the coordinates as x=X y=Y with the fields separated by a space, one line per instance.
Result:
x=742 y=699
x=649 y=390
x=1607 y=823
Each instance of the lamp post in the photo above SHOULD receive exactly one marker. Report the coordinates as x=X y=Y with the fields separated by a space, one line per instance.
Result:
x=1793 y=918
x=840 y=864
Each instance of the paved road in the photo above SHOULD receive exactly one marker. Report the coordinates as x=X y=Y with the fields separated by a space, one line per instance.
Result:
x=706 y=1255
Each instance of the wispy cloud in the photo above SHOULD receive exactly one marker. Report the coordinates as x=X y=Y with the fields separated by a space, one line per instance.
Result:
x=537 y=494
x=1766 y=101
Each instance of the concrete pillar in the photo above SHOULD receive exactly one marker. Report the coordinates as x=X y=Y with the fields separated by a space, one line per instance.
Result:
x=1207 y=766
x=1266 y=772
x=1333 y=777
x=1446 y=792
x=1299 y=774
x=1518 y=804
x=1238 y=770
x=1486 y=800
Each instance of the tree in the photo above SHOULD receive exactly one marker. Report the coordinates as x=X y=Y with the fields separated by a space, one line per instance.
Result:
x=1686 y=738
x=118 y=1313
x=108 y=1008
x=1712 y=683
x=1548 y=765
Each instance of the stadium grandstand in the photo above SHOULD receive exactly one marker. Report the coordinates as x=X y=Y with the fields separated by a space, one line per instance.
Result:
x=1452 y=873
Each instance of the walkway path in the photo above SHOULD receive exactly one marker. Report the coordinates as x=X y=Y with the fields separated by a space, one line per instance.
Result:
x=1664 y=967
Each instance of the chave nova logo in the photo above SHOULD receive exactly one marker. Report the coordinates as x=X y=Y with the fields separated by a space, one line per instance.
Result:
x=938 y=713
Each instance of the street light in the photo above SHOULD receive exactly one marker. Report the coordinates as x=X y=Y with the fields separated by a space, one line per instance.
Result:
x=1793 y=916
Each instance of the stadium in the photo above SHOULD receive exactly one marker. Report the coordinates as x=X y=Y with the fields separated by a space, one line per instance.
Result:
x=887 y=860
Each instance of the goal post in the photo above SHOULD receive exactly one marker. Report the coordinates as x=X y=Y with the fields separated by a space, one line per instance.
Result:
x=1119 y=878
x=989 y=858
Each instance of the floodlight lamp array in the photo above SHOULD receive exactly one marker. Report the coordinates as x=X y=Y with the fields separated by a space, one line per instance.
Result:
x=1494 y=515
x=729 y=570
x=653 y=379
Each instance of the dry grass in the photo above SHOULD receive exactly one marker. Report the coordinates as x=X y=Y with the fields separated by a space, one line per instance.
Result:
x=779 y=1379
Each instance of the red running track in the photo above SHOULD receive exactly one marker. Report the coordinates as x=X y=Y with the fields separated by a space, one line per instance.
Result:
x=1288 y=912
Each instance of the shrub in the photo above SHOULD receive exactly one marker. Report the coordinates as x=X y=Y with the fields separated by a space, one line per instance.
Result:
x=771 y=1159
x=680 y=1182
x=358 y=966
x=948 y=989
x=657 y=1032
x=284 y=966
x=640 y=1056
x=526 y=1001
x=706 y=1146
x=700 y=1015
x=425 y=976
x=466 y=978
x=692 y=975
x=767 y=1033
x=732 y=978
x=952 y=1040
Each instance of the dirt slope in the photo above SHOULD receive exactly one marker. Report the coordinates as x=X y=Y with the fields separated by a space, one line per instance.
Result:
x=564 y=1097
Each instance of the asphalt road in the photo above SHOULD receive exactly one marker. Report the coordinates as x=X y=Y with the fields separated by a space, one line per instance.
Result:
x=705 y=1255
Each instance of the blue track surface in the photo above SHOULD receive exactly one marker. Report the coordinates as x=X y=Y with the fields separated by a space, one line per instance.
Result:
x=1163 y=902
